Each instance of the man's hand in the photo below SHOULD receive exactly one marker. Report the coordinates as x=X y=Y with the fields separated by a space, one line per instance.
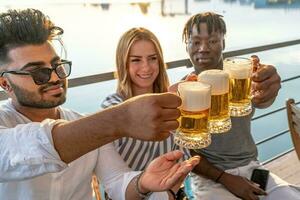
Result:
x=266 y=83
x=150 y=117
x=165 y=173
x=242 y=187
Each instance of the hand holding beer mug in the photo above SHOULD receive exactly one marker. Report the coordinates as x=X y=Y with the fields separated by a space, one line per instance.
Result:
x=239 y=70
x=193 y=130
x=219 y=120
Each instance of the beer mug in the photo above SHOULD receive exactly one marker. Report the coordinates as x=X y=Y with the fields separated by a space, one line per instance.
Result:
x=219 y=119
x=193 y=130
x=239 y=70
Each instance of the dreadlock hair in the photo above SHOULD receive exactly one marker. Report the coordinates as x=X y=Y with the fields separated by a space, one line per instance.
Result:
x=24 y=27
x=215 y=23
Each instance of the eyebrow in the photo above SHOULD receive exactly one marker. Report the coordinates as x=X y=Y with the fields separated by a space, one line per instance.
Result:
x=209 y=36
x=39 y=63
x=135 y=56
x=155 y=54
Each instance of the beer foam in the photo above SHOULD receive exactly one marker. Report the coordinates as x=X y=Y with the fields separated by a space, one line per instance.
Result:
x=218 y=79
x=238 y=68
x=195 y=96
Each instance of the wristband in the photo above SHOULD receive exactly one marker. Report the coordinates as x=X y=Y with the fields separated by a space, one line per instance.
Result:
x=220 y=175
x=136 y=187
x=172 y=193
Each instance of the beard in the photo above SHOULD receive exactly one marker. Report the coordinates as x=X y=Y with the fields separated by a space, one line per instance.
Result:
x=34 y=99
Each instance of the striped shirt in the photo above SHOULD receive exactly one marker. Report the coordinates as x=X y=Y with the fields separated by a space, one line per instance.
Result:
x=137 y=153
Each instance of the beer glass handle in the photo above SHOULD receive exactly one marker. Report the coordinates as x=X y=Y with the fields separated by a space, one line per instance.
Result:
x=255 y=63
x=255 y=66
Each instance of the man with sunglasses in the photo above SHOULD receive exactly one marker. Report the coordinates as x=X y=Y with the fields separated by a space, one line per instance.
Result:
x=37 y=136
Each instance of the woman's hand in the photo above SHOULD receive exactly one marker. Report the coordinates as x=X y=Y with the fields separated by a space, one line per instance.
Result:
x=190 y=77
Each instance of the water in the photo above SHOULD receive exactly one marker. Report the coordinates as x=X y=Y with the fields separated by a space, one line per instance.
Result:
x=92 y=32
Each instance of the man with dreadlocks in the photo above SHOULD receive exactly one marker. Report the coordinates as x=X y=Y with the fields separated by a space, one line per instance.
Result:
x=227 y=164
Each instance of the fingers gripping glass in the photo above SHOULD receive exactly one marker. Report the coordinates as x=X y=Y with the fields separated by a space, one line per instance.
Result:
x=42 y=75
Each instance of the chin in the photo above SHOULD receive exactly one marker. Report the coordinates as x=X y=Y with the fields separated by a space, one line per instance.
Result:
x=206 y=66
x=201 y=67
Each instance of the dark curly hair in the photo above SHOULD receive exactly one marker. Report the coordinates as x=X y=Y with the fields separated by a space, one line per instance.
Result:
x=214 y=22
x=24 y=27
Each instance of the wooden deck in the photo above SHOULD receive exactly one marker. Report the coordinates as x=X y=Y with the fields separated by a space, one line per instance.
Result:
x=286 y=167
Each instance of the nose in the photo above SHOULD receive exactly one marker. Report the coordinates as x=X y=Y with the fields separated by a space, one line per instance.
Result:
x=203 y=46
x=145 y=64
x=54 y=77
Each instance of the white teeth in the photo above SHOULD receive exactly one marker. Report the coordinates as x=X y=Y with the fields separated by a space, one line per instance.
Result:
x=145 y=75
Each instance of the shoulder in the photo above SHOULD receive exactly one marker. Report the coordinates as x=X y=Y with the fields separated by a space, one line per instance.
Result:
x=69 y=114
x=111 y=100
x=7 y=113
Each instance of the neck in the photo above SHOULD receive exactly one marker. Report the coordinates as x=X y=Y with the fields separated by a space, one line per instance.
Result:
x=198 y=70
x=37 y=114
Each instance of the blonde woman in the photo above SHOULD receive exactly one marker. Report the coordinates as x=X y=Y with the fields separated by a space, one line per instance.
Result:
x=141 y=70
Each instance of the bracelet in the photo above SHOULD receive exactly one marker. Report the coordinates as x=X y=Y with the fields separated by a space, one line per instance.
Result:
x=136 y=187
x=220 y=175
x=172 y=193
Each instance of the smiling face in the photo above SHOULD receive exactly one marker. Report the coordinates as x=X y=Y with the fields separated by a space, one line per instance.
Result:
x=23 y=90
x=204 y=49
x=143 y=66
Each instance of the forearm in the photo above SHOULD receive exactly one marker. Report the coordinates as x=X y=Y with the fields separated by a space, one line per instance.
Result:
x=206 y=169
x=76 y=138
x=132 y=193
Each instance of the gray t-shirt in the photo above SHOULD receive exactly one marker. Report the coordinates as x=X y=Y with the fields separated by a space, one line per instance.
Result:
x=232 y=149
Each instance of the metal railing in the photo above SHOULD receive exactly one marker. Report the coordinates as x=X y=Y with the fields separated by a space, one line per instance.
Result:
x=85 y=80
x=275 y=135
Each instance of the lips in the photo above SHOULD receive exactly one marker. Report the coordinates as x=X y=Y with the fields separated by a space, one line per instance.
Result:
x=203 y=60
x=54 y=89
x=144 y=76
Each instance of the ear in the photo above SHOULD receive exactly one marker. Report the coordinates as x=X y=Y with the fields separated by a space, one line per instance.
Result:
x=223 y=44
x=5 y=85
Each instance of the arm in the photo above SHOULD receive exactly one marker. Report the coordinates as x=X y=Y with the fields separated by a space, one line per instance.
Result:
x=237 y=185
x=155 y=120
x=119 y=180
x=32 y=149
x=163 y=173
x=265 y=84
x=27 y=151
x=205 y=168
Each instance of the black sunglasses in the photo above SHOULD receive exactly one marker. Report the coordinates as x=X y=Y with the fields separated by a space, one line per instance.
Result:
x=41 y=76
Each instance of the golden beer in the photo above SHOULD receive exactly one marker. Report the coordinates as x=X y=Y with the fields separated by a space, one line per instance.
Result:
x=193 y=130
x=240 y=95
x=239 y=70
x=219 y=120
x=219 y=107
x=191 y=123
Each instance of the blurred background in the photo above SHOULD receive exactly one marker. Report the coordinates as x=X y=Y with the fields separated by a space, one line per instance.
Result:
x=92 y=30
